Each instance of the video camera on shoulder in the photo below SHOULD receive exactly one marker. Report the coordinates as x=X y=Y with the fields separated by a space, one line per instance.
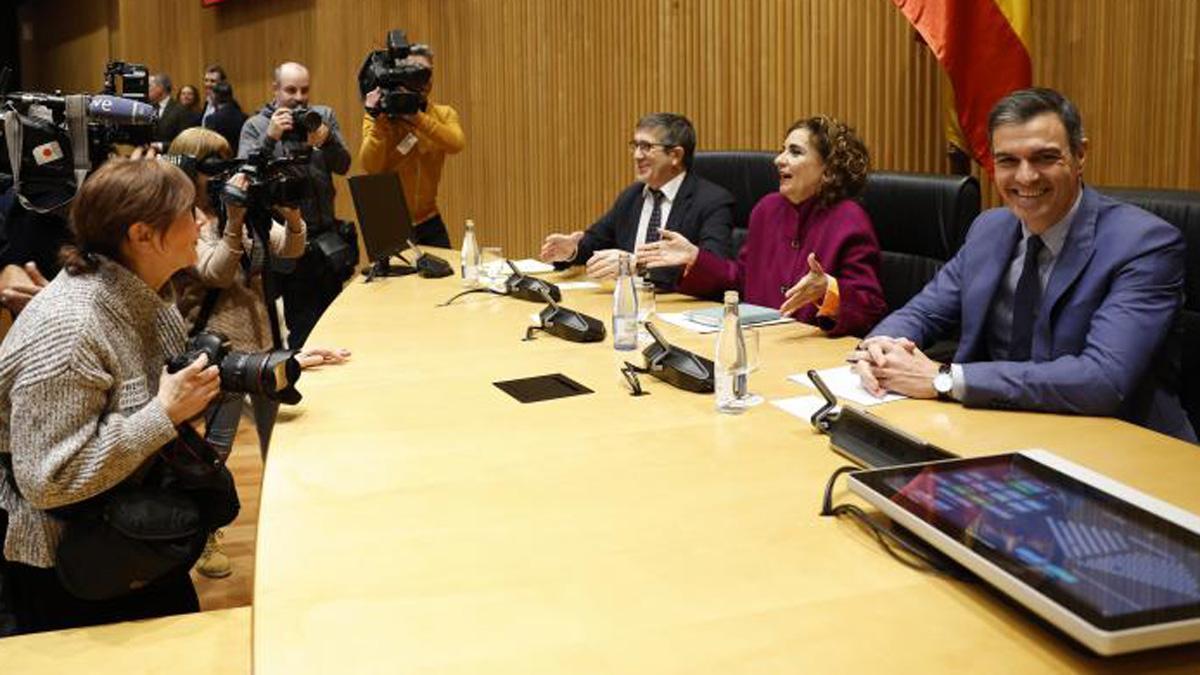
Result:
x=402 y=83
x=37 y=132
x=271 y=373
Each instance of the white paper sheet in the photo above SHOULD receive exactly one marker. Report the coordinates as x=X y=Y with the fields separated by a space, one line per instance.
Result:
x=576 y=285
x=800 y=406
x=845 y=384
x=499 y=268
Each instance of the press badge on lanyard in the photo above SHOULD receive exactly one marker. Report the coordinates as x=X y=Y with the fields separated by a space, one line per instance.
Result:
x=407 y=144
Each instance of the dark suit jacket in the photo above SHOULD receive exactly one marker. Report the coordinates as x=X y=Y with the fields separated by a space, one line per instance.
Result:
x=1100 y=342
x=174 y=119
x=227 y=121
x=702 y=212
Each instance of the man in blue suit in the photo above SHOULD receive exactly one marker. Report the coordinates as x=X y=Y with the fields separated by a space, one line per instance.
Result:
x=1065 y=299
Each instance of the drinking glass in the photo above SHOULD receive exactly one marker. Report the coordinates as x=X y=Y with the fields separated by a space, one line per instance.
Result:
x=492 y=268
x=646 y=307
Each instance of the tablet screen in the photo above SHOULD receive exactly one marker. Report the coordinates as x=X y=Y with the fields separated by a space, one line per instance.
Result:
x=1114 y=564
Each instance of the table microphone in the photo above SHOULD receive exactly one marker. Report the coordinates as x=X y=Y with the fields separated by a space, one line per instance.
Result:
x=428 y=265
x=525 y=287
x=567 y=324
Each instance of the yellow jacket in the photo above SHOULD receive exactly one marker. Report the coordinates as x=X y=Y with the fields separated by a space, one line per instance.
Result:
x=437 y=132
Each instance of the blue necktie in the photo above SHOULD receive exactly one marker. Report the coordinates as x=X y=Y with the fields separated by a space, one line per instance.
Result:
x=1025 y=302
x=654 y=227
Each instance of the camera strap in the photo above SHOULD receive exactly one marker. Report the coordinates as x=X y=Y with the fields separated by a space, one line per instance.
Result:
x=260 y=232
x=12 y=130
x=206 y=310
x=76 y=108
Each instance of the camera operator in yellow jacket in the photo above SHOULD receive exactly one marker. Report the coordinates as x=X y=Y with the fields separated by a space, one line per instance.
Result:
x=415 y=147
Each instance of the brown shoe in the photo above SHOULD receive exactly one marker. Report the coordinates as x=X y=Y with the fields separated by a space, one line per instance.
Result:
x=213 y=562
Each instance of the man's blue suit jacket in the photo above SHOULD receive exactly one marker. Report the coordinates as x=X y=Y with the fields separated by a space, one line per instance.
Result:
x=1100 y=342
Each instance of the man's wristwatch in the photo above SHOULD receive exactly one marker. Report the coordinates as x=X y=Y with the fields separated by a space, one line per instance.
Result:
x=943 y=382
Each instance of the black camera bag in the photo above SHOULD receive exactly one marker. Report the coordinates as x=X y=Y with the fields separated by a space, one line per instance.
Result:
x=337 y=248
x=154 y=523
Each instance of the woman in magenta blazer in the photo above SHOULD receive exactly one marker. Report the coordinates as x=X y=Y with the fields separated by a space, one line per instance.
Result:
x=811 y=250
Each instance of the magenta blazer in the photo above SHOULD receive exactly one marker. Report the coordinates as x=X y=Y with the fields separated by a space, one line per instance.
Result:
x=774 y=257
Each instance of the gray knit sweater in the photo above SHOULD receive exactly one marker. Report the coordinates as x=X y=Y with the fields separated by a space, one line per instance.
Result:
x=79 y=373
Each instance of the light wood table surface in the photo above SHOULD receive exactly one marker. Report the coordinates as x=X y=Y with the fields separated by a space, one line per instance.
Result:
x=187 y=644
x=416 y=519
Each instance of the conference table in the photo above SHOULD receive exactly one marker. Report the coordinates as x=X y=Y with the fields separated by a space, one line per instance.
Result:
x=415 y=518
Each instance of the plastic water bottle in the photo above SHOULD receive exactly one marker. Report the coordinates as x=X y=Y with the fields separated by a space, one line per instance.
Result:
x=625 y=309
x=730 y=362
x=470 y=256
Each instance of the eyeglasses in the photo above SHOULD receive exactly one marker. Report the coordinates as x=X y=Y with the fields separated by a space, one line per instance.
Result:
x=647 y=148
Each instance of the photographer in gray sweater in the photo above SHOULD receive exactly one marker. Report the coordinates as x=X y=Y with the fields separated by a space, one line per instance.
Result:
x=84 y=396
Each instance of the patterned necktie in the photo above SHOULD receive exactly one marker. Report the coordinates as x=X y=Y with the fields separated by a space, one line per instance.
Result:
x=654 y=227
x=1025 y=302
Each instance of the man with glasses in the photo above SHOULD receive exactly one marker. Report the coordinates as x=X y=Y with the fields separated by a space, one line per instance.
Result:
x=665 y=196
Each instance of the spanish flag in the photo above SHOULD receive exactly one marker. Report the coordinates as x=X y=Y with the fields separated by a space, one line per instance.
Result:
x=983 y=45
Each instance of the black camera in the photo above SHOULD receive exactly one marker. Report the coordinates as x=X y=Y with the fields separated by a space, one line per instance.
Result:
x=272 y=374
x=304 y=122
x=273 y=181
x=402 y=83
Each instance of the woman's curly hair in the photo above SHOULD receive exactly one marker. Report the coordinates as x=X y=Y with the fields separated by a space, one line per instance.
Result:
x=845 y=156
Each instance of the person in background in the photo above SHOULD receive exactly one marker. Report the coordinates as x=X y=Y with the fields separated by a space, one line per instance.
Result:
x=212 y=75
x=313 y=285
x=172 y=117
x=811 y=250
x=227 y=117
x=189 y=98
x=415 y=147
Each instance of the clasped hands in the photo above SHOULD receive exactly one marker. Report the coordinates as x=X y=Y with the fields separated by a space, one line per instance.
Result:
x=886 y=364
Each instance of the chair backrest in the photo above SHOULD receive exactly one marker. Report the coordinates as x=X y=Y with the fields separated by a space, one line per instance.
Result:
x=921 y=221
x=1181 y=208
x=749 y=175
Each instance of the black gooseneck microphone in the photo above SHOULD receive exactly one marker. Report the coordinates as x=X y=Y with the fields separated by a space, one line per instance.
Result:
x=567 y=324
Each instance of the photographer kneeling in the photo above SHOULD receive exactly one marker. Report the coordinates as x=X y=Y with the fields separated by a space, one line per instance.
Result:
x=85 y=401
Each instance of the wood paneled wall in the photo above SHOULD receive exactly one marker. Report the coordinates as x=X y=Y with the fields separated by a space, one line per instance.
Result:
x=548 y=90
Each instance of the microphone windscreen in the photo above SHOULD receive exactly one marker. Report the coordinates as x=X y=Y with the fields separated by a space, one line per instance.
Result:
x=121 y=110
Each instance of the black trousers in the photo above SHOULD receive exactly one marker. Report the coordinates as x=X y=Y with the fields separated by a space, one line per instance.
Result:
x=307 y=292
x=40 y=603
x=8 y=620
x=432 y=232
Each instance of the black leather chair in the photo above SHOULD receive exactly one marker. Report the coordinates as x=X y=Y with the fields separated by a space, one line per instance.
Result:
x=920 y=219
x=1181 y=208
x=749 y=174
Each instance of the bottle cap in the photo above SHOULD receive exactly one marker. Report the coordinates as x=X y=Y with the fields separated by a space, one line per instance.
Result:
x=731 y=297
x=470 y=224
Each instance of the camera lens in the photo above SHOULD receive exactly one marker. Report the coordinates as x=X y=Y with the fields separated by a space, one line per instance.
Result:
x=309 y=119
x=272 y=374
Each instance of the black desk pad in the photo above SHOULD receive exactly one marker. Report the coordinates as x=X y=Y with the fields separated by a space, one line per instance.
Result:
x=542 y=388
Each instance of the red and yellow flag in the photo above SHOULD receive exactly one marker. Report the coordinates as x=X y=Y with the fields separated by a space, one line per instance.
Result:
x=983 y=45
